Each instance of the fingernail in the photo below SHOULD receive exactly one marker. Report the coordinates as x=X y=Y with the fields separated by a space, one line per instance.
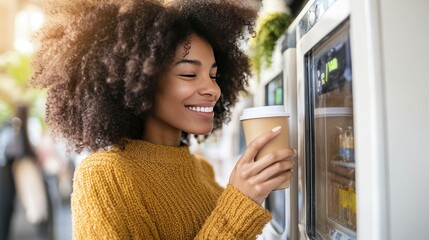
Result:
x=277 y=129
x=294 y=150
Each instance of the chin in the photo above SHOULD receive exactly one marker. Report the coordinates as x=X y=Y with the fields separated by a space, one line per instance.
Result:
x=201 y=131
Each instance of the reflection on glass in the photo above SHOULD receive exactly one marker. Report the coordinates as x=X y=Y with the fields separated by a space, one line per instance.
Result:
x=334 y=162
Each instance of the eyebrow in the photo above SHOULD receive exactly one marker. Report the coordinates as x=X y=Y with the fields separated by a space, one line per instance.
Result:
x=194 y=62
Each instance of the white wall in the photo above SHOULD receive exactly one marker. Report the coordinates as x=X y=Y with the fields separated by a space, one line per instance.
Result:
x=405 y=52
x=390 y=49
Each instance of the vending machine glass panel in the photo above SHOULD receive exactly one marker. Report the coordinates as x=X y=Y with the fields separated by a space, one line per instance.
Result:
x=330 y=141
x=275 y=202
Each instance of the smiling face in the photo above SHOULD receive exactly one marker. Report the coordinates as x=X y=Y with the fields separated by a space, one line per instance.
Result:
x=186 y=95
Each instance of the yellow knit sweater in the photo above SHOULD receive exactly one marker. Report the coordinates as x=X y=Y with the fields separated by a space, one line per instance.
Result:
x=152 y=191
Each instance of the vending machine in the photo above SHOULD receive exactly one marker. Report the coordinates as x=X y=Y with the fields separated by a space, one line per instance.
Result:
x=325 y=123
x=355 y=83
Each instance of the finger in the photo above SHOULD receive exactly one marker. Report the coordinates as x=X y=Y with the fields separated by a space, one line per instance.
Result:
x=277 y=180
x=257 y=143
x=273 y=171
x=279 y=155
x=270 y=159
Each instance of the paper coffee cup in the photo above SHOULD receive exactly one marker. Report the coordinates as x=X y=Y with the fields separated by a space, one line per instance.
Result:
x=259 y=120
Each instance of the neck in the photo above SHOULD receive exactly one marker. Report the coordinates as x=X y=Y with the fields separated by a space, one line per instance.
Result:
x=157 y=133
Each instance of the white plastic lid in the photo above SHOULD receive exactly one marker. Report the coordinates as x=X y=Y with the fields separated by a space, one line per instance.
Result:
x=262 y=112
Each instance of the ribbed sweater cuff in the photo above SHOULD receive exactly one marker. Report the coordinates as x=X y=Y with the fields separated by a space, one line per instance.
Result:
x=245 y=217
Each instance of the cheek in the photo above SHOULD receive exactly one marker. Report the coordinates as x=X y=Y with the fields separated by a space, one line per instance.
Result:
x=183 y=91
x=172 y=98
x=174 y=91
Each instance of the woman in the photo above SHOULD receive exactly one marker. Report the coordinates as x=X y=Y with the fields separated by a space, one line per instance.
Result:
x=129 y=80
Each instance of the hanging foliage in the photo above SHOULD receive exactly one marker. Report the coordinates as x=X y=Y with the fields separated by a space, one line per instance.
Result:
x=15 y=70
x=269 y=30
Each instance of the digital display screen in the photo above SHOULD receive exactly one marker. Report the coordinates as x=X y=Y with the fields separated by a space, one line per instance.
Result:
x=333 y=68
x=274 y=91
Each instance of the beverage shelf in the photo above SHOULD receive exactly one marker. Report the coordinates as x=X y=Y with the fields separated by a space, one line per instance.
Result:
x=344 y=164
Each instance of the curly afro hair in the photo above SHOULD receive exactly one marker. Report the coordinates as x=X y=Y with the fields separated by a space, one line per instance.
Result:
x=100 y=60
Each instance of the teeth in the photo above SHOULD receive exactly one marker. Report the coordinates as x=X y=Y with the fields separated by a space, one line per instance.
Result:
x=201 y=109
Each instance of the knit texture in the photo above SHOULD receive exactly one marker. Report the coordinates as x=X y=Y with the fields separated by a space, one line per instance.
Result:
x=150 y=191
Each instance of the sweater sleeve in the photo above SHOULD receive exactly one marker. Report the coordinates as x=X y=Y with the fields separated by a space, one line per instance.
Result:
x=104 y=205
x=235 y=216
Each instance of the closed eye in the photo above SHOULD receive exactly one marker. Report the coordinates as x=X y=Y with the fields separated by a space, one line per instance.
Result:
x=188 y=75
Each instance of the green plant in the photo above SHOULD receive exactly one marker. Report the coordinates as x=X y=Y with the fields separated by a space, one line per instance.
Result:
x=269 y=29
x=15 y=70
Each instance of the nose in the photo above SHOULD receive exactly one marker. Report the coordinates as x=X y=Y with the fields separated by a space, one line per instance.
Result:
x=209 y=87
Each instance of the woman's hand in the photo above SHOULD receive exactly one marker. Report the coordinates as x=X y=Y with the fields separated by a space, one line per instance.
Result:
x=257 y=179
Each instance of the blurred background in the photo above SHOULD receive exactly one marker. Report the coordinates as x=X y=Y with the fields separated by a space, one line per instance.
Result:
x=35 y=180
x=35 y=170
